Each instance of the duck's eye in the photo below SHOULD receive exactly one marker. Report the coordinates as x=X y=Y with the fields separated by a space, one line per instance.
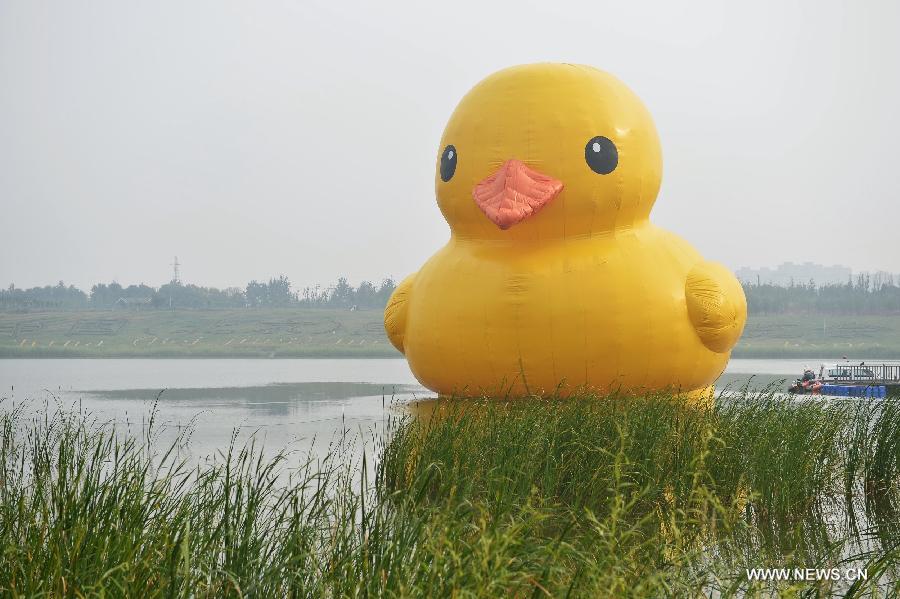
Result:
x=448 y=163
x=601 y=155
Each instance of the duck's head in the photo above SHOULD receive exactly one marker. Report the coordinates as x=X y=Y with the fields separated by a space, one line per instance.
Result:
x=547 y=151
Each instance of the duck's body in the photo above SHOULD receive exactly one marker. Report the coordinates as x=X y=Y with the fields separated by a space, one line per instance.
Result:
x=586 y=294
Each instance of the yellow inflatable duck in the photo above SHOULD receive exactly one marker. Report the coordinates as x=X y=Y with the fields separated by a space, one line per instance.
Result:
x=553 y=279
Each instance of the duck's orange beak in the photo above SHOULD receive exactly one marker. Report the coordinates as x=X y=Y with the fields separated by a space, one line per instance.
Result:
x=514 y=193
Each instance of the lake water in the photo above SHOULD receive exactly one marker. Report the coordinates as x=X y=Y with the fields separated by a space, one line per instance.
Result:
x=304 y=403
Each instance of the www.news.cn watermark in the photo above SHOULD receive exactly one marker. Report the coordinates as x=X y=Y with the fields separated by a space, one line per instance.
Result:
x=807 y=574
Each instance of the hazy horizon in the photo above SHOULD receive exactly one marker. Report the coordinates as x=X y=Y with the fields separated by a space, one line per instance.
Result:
x=775 y=274
x=253 y=140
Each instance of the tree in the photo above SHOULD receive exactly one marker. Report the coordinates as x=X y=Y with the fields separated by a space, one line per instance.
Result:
x=257 y=294
x=279 y=292
x=342 y=294
x=366 y=295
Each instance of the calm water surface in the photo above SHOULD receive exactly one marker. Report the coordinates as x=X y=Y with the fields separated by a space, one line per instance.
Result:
x=301 y=403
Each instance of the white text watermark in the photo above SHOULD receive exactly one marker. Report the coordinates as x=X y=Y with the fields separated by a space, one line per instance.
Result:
x=807 y=574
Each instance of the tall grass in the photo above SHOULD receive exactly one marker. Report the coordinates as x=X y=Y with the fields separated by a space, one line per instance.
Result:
x=593 y=496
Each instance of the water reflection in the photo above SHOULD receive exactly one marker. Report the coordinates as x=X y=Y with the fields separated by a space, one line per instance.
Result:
x=277 y=399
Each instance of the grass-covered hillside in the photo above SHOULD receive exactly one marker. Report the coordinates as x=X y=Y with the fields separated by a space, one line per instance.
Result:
x=588 y=497
x=247 y=333
x=817 y=336
x=319 y=332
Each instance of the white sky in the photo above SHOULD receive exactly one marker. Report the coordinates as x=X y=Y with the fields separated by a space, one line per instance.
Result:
x=259 y=138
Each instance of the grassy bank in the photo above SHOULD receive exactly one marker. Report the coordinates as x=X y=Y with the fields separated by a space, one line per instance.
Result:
x=270 y=333
x=609 y=497
x=817 y=336
x=303 y=333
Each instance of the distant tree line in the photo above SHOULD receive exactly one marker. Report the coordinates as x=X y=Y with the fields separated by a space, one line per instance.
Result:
x=876 y=294
x=56 y=297
x=276 y=292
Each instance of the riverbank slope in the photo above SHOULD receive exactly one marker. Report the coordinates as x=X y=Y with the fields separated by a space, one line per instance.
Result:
x=331 y=333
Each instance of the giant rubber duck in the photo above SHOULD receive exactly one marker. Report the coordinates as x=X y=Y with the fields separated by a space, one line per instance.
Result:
x=554 y=280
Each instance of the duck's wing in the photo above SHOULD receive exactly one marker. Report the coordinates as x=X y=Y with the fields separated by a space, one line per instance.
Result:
x=395 y=312
x=716 y=305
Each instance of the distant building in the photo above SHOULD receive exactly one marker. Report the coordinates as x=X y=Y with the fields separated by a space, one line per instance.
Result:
x=788 y=273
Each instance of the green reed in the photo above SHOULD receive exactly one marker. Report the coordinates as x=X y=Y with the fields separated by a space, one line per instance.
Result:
x=609 y=496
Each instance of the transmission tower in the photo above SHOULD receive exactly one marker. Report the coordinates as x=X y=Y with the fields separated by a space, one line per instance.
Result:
x=176 y=275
